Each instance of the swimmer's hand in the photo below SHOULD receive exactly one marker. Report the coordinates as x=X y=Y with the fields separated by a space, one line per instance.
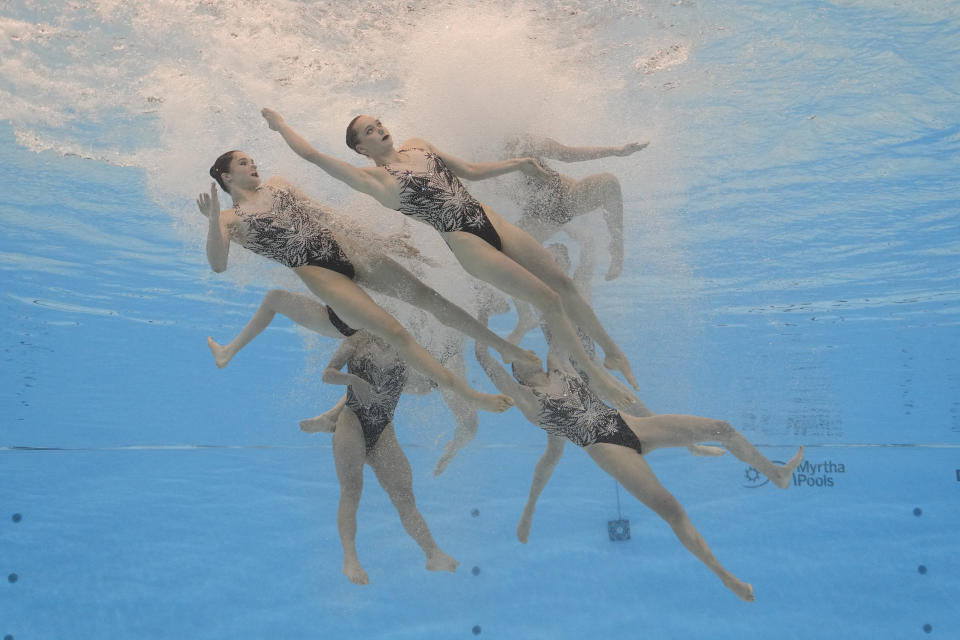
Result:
x=274 y=119
x=363 y=391
x=632 y=147
x=209 y=204
x=532 y=168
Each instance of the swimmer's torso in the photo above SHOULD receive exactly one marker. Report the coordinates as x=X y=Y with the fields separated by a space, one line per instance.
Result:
x=432 y=194
x=546 y=200
x=291 y=231
x=386 y=373
x=569 y=409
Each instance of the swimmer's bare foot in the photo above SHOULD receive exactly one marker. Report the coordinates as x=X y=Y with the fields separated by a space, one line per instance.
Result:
x=324 y=423
x=221 y=355
x=495 y=403
x=523 y=527
x=439 y=561
x=443 y=462
x=744 y=590
x=353 y=571
x=618 y=362
x=521 y=356
x=705 y=450
x=452 y=448
x=785 y=472
x=610 y=389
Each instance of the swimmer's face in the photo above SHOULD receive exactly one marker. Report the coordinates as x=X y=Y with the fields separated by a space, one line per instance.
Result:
x=243 y=172
x=372 y=137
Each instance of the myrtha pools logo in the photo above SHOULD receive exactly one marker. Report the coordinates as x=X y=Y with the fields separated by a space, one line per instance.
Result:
x=815 y=475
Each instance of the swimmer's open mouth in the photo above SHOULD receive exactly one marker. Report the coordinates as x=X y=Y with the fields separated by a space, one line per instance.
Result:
x=384 y=138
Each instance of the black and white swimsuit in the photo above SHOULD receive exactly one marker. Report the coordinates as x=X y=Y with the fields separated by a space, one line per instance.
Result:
x=387 y=385
x=577 y=414
x=292 y=233
x=437 y=197
x=547 y=201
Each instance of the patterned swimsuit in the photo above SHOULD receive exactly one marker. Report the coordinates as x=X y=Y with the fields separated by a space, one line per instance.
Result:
x=577 y=414
x=438 y=198
x=292 y=233
x=387 y=384
x=546 y=201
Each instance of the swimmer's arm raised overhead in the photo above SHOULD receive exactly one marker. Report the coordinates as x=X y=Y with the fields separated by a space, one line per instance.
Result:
x=218 y=234
x=360 y=179
x=482 y=170
x=550 y=148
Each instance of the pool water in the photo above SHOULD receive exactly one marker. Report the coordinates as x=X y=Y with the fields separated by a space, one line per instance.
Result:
x=793 y=233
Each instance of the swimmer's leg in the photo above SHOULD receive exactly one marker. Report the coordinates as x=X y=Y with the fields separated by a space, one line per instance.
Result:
x=326 y=422
x=674 y=430
x=359 y=311
x=349 y=454
x=541 y=476
x=305 y=311
x=388 y=277
x=464 y=415
x=633 y=472
x=504 y=272
x=603 y=190
x=393 y=472
x=537 y=261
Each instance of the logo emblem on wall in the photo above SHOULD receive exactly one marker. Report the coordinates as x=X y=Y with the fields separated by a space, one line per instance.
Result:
x=755 y=479
x=814 y=475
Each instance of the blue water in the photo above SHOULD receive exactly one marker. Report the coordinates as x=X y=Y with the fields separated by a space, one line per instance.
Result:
x=792 y=267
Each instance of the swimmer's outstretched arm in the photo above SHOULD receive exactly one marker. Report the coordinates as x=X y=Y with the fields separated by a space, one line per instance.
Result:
x=361 y=179
x=550 y=148
x=482 y=170
x=218 y=235
x=541 y=476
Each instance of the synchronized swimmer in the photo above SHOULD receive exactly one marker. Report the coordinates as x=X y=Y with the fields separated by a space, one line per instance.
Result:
x=333 y=257
x=422 y=182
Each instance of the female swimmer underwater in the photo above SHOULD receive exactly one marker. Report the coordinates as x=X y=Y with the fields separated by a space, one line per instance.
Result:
x=421 y=181
x=550 y=203
x=277 y=221
x=310 y=313
x=560 y=404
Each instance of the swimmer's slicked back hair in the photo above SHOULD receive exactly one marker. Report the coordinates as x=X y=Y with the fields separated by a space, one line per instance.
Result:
x=353 y=137
x=221 y=166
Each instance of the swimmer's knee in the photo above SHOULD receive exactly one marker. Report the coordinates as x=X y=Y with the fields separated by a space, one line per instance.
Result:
x=403 y=499
x=722 y=429
x=550 y=302
x=273 y=297
x=565 y=287
x=394 y=333
x=350 y=493
x=670 y=509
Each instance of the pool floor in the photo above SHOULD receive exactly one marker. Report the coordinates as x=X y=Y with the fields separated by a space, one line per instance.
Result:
x=226 y=543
